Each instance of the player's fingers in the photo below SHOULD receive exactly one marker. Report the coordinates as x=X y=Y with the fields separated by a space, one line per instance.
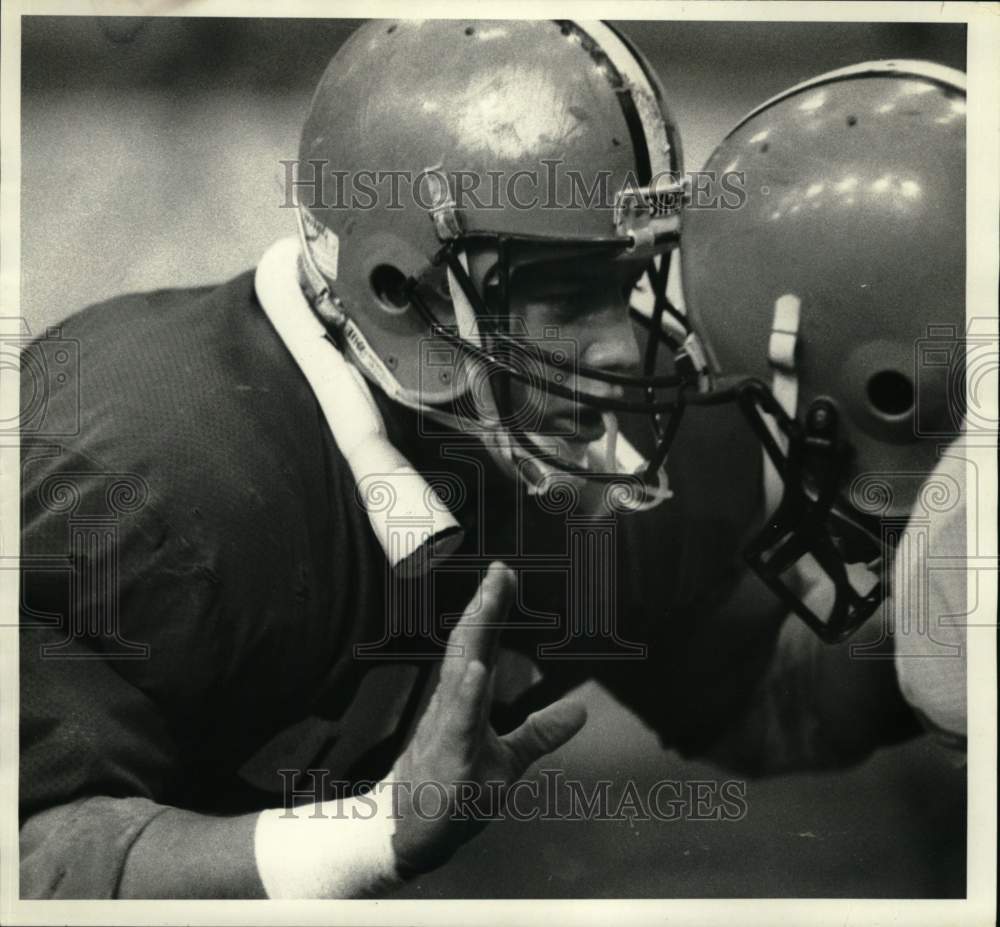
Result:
x=477 y=634
x=465 y=725
x=544 y=731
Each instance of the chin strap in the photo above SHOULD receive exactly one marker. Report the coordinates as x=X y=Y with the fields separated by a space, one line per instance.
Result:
x=496 y=439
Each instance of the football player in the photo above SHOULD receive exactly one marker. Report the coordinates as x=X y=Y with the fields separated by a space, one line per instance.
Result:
x=242 y=571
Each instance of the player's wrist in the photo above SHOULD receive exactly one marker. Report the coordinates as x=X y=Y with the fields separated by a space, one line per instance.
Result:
x=332 y=849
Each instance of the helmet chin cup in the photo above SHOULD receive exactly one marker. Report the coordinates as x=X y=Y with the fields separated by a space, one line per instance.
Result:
x=811 y=522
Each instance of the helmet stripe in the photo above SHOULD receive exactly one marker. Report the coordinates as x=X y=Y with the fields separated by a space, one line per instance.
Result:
x=641 y=90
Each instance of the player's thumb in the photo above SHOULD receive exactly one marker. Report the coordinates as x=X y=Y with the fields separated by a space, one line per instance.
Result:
x=544 y=731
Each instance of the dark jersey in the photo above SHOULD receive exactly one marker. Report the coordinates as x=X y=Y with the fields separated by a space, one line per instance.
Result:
x=207 y=615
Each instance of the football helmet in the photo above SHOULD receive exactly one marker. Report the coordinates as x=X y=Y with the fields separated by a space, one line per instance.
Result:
x=832 y=287
x=495 y=129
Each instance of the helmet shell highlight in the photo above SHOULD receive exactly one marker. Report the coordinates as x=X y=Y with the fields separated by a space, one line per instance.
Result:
x=855 y=204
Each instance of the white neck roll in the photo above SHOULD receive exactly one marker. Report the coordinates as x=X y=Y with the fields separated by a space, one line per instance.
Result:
x=413 y=525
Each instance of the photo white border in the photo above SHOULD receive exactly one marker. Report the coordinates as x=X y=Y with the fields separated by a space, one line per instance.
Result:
x=983 y=249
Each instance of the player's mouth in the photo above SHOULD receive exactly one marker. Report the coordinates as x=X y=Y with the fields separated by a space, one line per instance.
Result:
x=579 y=426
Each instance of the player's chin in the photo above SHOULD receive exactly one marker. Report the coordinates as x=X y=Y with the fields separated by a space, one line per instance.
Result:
x=569 y=435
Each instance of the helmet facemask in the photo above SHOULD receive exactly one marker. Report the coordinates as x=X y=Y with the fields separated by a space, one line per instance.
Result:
x=515 y=376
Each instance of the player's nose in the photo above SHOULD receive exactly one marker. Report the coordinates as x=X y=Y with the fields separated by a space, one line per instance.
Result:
x=614 y=349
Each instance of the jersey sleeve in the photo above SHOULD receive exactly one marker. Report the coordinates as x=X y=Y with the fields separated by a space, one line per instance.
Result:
x=97 y=757
x=112 y=606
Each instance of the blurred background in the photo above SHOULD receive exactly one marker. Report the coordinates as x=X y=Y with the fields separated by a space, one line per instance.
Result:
x=150 y=158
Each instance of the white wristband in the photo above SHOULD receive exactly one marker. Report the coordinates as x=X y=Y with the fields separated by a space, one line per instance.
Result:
x=332 y=849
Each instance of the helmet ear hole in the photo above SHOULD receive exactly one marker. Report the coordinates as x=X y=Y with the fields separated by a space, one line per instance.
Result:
x=388 y=283
x=890 y=393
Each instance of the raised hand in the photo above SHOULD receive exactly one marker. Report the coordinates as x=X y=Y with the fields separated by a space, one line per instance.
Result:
x=454 y=742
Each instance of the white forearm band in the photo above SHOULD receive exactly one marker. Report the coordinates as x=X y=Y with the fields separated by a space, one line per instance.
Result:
x=332 y=849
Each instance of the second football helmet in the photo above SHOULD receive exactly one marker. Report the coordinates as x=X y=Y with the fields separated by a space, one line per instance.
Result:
x=838 y=287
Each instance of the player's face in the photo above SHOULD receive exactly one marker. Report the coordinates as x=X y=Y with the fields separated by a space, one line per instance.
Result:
x=582 y=302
